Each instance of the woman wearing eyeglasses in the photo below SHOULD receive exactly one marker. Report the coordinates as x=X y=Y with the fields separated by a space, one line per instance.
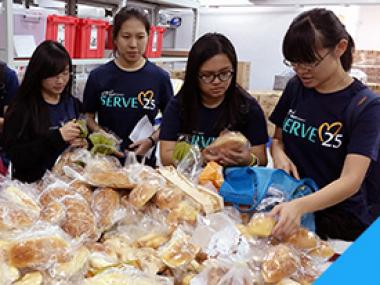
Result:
x=211 y=102
x=313 y=137
x=39 y=123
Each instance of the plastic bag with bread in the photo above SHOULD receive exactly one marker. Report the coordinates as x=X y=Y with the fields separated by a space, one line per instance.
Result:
x=23 y=195
x=31 y=278
x=261 y=225
x=169 y=196
x=228 y=140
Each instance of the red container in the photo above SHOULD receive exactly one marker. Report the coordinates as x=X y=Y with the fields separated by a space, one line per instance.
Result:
x=90 y=38
x=62 y=29
x=154 y=46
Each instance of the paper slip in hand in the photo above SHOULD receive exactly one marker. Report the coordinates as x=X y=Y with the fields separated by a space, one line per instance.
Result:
x=142 y=130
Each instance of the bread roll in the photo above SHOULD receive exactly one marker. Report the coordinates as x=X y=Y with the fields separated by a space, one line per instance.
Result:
x=19 y=197
x=281 y=265
x=186 y=211
x=152 y=240
x=53 y=213
x=261 y=225
x=32 y=278
x=179 y=252
x=229 y=140
x=83 y=189
x=303 y=239
x=38 y=252
x=72 y=267
x=142 y=193
x=105 y=202
x=323 y=250
x=13 y=217
x=168 y=197
x=55 y=194
x=110 y=178
x=8 y=274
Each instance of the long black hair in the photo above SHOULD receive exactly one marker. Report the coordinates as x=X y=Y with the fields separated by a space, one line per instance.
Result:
x=49 y=59
x=125 y=14
x=234 y=103
x=314 y=29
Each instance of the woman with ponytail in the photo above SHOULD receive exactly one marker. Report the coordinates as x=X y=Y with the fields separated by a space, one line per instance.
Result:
x=316 y=135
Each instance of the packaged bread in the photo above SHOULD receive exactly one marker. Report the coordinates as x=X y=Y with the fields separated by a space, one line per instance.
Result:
x=54 y=212
x=303 y=239
x=228 y=141
x=148 y=260
x=83 y=189
x=8 y=274
x=14 y=217
x=79 y=220
x=31 y=278
x=39 y=248
x=323 y=250
x=213 y=172
x=152 y=240
x=210 y=201
x=288 y=281
x=55 y=193
x=73 y=267
x=179 y=251
x=168 y=197
x=119 y=247
x=21 y=198
x=186 y=211
x=261 y=225
x=75 y=158
x=281 y=263
x=101 y=256
x=142 y=193
x=106 y=206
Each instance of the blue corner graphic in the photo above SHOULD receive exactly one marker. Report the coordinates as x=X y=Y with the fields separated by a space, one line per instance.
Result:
x=359 y=265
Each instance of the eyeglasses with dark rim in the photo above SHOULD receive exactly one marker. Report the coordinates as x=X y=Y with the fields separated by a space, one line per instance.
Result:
x=222 y=76
x=308 y=66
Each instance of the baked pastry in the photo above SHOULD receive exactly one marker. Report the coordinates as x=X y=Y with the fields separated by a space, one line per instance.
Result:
x=105 y=202
x=32 y=278
x=53 y=213
x=110 y=178
x=16 y=195
x=152 y=240
x=148 y=260
x=186 y=211
x=261 y=225
x=142 y=193
x=280 y=265
x=303 y=239
x=72 y=267
x=323 y=250
x=13 y=217
x=287 y=281
x=38 y=252
x=229 y=140
x=55 y=194
x=8 y=274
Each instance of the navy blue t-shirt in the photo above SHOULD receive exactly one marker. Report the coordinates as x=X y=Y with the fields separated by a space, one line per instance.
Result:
x=316 y=138
x=254 y=128
x=121 y=98
x=61 y=113
x=11 y=85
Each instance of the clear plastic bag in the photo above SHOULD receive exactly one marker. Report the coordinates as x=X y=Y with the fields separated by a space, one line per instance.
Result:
x=104 y=143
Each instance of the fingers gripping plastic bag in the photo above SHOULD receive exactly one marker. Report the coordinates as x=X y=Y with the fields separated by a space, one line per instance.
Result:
x=248 y=186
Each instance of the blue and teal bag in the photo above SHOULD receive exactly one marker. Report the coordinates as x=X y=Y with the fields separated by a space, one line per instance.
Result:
x=248 y=186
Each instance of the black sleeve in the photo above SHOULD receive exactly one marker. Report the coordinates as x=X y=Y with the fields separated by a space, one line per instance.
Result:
x=24 y=152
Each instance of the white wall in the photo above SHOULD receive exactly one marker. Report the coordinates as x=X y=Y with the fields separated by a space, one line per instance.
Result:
x=257 y=33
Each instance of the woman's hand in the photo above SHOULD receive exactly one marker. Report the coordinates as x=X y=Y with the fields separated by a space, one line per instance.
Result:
x=289 y=218
x=69 y=131
x=141 y=147
x=282 y=161
x=229 y=157
x=79 y=142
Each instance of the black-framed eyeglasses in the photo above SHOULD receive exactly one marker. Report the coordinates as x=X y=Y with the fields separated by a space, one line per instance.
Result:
x=307 y=66
x=210 y=77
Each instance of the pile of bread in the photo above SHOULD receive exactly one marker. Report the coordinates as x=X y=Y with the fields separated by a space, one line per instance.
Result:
x=100 y=223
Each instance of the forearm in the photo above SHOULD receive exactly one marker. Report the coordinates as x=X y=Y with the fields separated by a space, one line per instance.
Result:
x=260 y=153
x=92 y=125
x=166 y=152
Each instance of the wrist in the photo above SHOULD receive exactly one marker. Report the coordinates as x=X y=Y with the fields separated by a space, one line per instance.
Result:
x=152 y=141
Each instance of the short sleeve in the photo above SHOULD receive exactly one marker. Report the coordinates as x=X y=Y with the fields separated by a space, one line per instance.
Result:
x=91 y=94
x=11 y=85
x=281 y=110
x=256 y=127
x=365 y=135
x=171 y=122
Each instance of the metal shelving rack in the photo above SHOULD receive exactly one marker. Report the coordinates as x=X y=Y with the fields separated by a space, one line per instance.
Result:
x=71 y=9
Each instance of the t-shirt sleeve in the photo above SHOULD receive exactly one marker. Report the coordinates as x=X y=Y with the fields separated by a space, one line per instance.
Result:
x=91 y=94
x=171 y=122
x=166 y=92
x=281 y=110
x=365 y=135
x=11 y=85
x=256 y=128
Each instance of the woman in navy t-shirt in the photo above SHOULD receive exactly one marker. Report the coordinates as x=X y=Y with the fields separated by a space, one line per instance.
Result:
x=211 y=102
x=313 y=137
x=124 y=90
x=39 y=122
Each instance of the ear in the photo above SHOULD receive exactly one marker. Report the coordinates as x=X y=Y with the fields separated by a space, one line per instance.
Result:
x=341 y=47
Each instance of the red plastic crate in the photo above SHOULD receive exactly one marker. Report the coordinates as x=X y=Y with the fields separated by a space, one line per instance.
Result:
x=154 y=46
x=62 y=29
x=90 y=38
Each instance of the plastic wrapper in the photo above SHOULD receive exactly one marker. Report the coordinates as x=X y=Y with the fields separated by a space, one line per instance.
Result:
x=75 y=158
x=179 y=251
x=303 y=239
x=212 y=173
x=31 y=278
x=191 y=164
x=104 y=143
x=127 y=275
x=228 y=140
x=23 y=195
x=83 y=189
x=8 y=274
x=281 y=262
x=107 y=208
x=82 y=123
x=186 y=211
x=261 y=225
x=103 y=256
x=168 y=196
x=40 y=247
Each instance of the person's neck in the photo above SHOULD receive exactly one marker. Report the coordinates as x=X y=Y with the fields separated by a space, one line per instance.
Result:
x=130 y=66
x=211 y=102
x=51 y=98
x=339 y=81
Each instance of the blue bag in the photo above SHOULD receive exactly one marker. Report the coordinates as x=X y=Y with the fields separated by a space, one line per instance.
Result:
x=248 y=186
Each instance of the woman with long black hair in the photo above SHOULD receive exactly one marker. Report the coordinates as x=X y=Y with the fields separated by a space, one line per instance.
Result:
x=211 y=102
x=39 y=123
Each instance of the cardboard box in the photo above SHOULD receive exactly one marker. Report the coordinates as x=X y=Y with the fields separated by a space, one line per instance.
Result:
x=243 y=74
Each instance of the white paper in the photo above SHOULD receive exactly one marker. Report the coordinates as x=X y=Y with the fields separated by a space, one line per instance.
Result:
x=24 y=45
x=142 y=130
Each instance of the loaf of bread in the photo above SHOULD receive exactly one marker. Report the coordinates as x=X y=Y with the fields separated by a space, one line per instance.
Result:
x=227 y=141
x=303 y=239
x=168 y=197
x=142 y=193
x=13 y=217
x=83 y=189
x=106 y=202
x=32 y=278
x=261 y=225
x=19 y=197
